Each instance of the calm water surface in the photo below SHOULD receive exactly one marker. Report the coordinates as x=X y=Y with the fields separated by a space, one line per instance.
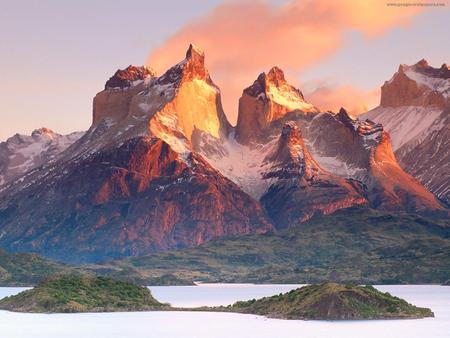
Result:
x=227 y=325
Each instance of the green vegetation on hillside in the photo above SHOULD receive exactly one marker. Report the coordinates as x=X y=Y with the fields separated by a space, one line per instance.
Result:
x=71 y=293
x=362 y=246
x=330 y=301
x=25 y=269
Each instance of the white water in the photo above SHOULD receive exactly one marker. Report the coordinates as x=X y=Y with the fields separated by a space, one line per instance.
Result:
x=227 y=325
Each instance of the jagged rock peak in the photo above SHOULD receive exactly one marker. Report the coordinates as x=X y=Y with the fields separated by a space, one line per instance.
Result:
x=291 y=139
x=422 y=63
x=268 y=99
x=291 y=136
x=275 y=76
x=290 y=145
x=192 y=67
x=124 y=78
x=43 y=131
x=345 y=117
x=424 y=68
x=291 y=158
x=364 y=128
x=417 y=85
x=195 y=52
x=290 y=128
x=274 y=79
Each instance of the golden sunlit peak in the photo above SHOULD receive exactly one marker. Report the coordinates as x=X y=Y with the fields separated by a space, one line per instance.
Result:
x=276 y=72
x=194 y=50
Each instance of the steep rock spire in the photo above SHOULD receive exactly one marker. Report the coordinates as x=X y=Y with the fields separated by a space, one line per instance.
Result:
x=291 y=158
x=299 y=187
x=267 y=100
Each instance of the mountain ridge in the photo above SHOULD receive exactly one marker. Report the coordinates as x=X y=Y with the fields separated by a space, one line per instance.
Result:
x=415 y=109
x=161 y=168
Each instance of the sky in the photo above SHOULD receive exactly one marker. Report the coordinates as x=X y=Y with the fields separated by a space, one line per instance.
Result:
x=56 y=55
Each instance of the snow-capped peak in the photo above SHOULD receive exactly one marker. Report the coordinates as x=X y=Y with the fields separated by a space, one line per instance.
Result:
x=46 y=132
x=426 y=76
x=130 y=76
x=21 y=153
x=170 y=107
x=274 y=88
x=268 y=99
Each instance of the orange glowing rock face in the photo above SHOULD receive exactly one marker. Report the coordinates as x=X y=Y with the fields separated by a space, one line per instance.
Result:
x=269 y=99
x=397 y=189
x=180 y=101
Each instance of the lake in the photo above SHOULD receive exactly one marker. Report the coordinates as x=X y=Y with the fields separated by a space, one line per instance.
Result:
x=227 y=325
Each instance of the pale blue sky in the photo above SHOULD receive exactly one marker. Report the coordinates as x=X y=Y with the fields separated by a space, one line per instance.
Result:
x=368 y=62
x=56 y=55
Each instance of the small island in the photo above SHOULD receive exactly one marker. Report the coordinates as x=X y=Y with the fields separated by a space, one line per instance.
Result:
x=331 y=301
x=74 y=293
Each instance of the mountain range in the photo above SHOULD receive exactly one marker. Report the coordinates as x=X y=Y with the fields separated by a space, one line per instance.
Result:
x=162 y=168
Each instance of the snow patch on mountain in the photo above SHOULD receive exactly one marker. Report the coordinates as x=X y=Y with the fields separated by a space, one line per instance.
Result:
x=288 y=98
x=337 y=166
x=21 y=153
x=404 y=123
x=438 y=84
x=242 y=164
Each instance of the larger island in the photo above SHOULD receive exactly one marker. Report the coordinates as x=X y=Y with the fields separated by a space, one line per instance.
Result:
x=332 y=301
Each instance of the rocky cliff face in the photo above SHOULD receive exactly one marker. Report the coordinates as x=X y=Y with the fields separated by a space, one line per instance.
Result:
x=417 y=85
x=268 y=99
x=414 y=109
x=171 y=107
x=22 y=153
x=427 y=157
x=361 y=150
x=113 y=103
x=138 y=198
x=132 y=184
x=299 y=186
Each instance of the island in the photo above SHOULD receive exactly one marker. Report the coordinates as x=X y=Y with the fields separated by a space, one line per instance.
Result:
x=78 y=293
x=331 y=301
x=327 y=301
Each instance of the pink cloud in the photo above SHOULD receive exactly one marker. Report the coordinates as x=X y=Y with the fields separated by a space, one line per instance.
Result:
x=242 y=39
x=353 y=99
